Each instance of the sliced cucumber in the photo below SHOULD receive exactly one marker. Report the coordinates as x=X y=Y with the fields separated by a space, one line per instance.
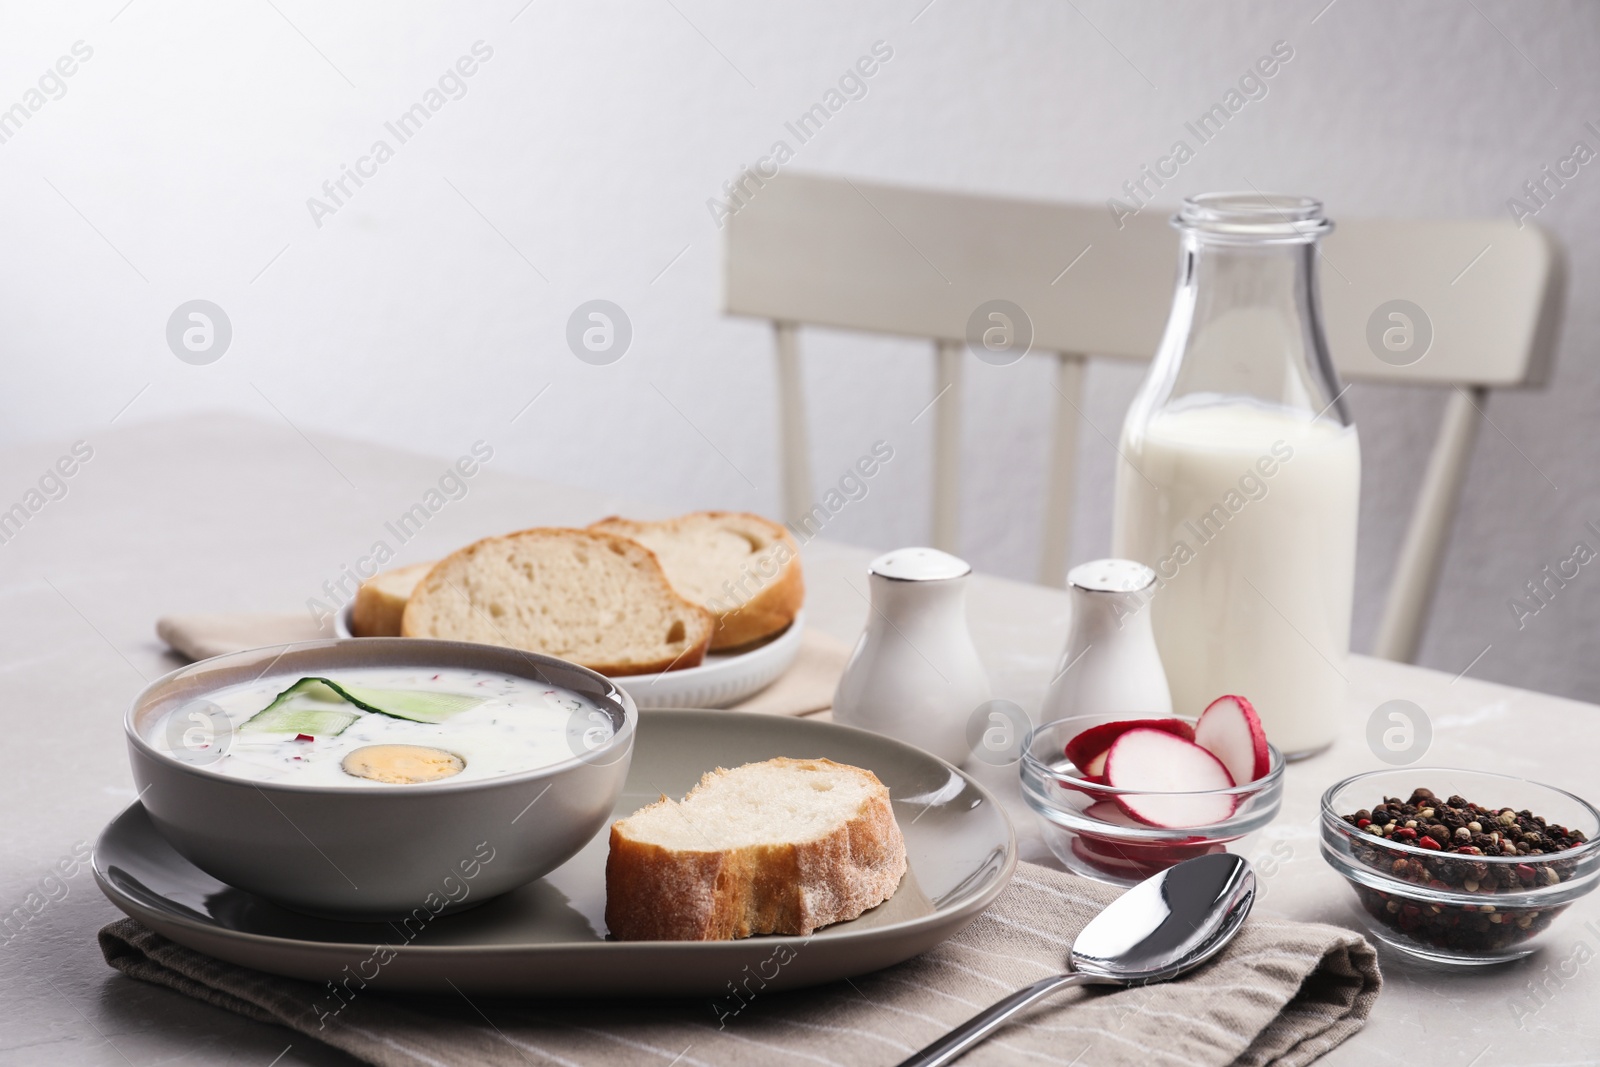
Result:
x=412 y=704
x=316 y=722
x=315 y=689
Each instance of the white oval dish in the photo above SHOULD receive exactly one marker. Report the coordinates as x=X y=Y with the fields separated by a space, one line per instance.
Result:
x=721 y=681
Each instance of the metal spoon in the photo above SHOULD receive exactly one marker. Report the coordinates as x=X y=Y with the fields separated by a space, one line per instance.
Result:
x=1166 y=925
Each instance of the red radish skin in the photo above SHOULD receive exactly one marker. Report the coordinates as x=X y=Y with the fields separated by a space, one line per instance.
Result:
x=1087 y=750
x=1231 y=730
x=1107 y=811
x=1116 y=867
x=1157 y=855
x=1165 y=855
x=1135 y=861
x=1172 y=780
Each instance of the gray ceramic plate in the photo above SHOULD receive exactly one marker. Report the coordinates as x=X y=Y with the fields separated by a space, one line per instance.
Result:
x=548 y=938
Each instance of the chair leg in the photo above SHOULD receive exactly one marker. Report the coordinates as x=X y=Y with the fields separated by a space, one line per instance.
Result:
x=1416 y=572
x=1056 y=548
x=793 y=447
x=947 y=449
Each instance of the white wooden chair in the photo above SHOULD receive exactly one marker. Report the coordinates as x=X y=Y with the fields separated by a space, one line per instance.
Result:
x=805 y=249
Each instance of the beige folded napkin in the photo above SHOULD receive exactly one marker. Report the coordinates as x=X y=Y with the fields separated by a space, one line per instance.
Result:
x=1281 y=993
x=806 y=687
x=203 y=636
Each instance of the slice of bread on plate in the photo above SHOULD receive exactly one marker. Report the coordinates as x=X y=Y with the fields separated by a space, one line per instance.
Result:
x=742 y=568
x=381 y=601
x=780 y=847
x=589 y=597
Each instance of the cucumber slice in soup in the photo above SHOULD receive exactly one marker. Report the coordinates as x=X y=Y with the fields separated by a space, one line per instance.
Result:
x=418 y=705
x=414 y=704
x=315 y=689
x=316 y=722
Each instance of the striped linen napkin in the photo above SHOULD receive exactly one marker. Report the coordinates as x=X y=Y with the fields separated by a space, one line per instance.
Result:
x=1282 y=993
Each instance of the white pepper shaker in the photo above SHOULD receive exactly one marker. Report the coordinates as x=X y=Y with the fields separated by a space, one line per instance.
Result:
x=1110 y=663
x=915 y=673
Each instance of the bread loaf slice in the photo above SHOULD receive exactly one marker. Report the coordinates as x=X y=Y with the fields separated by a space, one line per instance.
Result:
x=742 y=568
x=381 y=601
x=589 y=597
x=781 y=847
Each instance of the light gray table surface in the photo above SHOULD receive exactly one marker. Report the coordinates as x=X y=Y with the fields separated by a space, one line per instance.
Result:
x=220 y=513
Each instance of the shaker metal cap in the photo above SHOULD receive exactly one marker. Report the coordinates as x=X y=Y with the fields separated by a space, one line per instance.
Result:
x=919 y=565
x=1111 y=576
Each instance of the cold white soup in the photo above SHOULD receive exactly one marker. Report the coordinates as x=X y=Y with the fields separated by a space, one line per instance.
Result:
x=370 y=726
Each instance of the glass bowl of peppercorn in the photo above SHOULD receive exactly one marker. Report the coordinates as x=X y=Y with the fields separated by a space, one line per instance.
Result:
x=1459 y=866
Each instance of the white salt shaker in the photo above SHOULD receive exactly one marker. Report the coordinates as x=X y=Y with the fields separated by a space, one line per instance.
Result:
x=1110 y=663
x=915 y=674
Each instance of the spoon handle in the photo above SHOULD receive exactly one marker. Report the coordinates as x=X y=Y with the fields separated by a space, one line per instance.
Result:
x=951 y=1046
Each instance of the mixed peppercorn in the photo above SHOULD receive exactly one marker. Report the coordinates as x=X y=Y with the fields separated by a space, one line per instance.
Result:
x=1457 y=831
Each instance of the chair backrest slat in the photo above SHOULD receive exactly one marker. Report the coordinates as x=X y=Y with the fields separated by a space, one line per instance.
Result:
x=947 y=446
x=1056 y=543
x=793 y=452
x=806 y=249
x=914 y=262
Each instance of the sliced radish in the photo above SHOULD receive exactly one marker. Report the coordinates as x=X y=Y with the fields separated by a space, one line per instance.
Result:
x=1107 y=811
x=1153 y=855
x=1171 y=777
x=1086 y=786
x=1088 y=749
x=1114 y=866
x=1113 y=853
x=1230 y=730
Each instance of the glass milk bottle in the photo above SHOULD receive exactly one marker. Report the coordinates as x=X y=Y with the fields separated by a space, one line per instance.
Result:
x=1240 y=474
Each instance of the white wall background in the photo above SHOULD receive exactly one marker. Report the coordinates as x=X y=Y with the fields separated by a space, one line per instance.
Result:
x=432 y=306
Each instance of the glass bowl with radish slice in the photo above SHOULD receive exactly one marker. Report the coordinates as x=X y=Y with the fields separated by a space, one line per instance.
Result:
x=1122 y=797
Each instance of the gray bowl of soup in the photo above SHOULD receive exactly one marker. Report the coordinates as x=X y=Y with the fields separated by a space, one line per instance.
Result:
x=383 y=778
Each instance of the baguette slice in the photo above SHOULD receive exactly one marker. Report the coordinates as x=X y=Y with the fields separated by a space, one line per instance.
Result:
x=592 y=598
x=780 y=847
x=381 y=601
x=742 y=568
